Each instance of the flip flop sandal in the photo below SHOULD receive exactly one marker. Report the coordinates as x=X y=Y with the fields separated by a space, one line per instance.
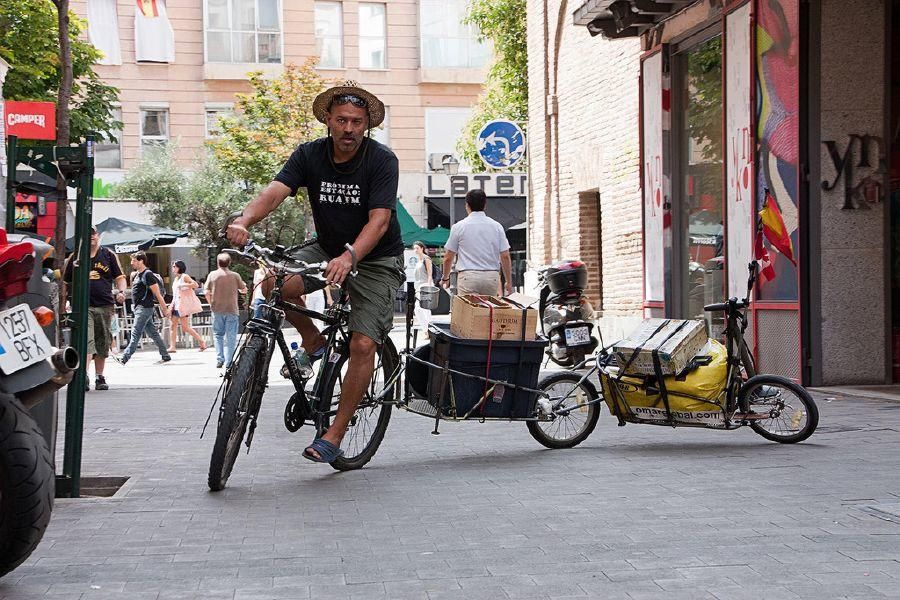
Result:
x=328 y=452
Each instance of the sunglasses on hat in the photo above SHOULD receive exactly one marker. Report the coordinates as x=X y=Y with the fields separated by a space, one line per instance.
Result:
x=349 y=99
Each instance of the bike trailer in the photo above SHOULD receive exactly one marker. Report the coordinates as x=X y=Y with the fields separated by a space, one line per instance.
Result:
x=514 y=364
x=694 y=397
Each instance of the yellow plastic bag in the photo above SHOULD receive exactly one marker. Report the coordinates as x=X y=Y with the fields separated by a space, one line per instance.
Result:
x=698 y=399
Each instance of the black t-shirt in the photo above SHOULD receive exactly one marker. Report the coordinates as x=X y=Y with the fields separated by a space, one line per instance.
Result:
x=105 y=270
x=342 y=195
x=141 y=295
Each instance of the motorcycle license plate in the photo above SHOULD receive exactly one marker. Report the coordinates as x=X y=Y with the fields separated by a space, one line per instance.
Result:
x=578 y=336
x=22 y=341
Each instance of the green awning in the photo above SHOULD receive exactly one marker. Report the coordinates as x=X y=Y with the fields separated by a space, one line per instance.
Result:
x=411 y=232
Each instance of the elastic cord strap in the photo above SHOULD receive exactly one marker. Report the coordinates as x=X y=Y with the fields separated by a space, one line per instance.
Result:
x=487 y=370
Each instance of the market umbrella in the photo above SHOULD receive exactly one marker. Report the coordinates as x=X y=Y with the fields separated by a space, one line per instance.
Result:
x=411 y=232
x=123 y=236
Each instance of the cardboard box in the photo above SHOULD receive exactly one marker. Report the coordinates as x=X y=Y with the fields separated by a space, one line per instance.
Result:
x=470 y=317
x=677 y=341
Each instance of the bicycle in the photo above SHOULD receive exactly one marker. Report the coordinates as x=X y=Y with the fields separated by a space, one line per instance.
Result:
x=246 y=379
x=775 y=407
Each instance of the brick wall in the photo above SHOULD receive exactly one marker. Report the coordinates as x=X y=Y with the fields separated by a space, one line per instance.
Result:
x=593 y=147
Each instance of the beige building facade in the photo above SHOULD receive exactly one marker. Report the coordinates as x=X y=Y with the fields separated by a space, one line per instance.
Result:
x=179 y=63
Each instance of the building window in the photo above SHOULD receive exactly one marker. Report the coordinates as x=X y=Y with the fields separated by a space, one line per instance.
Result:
x=699 y=214
x=243 y=31
x=443 y=127
x=213 y=114
x=329 y=35
x=446 y=41
x=108 y=154
x=372 y=36
x=382 y=132
x=154 y=128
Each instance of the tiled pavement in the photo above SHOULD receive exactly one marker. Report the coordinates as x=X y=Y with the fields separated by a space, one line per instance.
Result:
x=480 y=512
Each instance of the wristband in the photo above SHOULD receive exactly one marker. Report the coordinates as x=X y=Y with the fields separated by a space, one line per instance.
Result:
x=445 y=279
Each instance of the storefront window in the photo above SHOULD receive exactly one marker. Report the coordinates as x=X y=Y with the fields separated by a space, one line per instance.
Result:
x=701 y=186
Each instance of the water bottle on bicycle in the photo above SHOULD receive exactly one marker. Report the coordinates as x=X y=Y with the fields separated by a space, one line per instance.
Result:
x=303 y=361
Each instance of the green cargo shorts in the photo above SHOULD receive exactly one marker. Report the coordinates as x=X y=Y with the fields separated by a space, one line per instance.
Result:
x=99 y=330
x=372 y=291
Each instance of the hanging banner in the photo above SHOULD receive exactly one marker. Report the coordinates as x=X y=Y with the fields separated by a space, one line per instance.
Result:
x=738 y=149
x=655 y=187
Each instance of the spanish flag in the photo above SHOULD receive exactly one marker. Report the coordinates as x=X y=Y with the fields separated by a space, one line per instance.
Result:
x=762 y=256
x=148 y=8
x=774 y=229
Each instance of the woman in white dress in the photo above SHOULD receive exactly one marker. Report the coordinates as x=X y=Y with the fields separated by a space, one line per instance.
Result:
x=422 y=276
x=182 y=284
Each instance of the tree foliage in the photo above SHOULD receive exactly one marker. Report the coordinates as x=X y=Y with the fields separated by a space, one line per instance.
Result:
x=29 y=43
x=269 y=122
x=505 y=96
x=200 y=200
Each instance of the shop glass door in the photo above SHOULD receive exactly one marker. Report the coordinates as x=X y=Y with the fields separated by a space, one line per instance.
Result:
x=699 y=234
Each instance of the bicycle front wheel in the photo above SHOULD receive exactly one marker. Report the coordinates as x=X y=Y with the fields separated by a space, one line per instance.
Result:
x=792 y=413
x=244 y=387
x=574 y=407
x=369 y=423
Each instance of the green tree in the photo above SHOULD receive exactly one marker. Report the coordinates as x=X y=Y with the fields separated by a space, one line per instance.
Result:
x=269 y=122
x=505 y=96
x=29 y=42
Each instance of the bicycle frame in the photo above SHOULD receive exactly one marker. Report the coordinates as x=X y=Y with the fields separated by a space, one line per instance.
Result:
x=268 y=324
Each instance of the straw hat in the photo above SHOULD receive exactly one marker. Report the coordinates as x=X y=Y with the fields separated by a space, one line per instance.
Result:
x=374 y=106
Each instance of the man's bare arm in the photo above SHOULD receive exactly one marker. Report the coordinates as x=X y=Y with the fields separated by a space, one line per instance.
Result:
x=506 y=266
x=449 y=256
x=379 y=221
x=159 y=298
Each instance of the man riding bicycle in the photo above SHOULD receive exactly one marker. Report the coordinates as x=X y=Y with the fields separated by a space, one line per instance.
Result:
x=351 y=181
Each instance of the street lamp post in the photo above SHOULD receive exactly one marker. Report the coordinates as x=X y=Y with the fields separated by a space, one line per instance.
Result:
x=451 y=168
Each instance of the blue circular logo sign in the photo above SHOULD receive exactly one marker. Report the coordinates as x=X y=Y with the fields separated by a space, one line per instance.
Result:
x=501 y=144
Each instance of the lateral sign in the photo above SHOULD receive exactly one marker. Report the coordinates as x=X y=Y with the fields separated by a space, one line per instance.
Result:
x=30 y=120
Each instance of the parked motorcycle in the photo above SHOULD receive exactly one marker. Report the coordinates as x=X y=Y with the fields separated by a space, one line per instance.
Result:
x=566 y=314
x=31 y=369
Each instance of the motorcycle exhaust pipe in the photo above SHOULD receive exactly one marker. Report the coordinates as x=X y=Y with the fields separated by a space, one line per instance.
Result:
x=64 y=362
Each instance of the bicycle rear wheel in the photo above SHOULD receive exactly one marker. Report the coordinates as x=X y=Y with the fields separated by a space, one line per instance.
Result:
x=370 y=421
x=575 y=418
x=793 y=415
x=243 y=392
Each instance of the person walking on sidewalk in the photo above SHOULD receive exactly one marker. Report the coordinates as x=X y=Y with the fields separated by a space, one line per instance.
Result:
x=184 y=304
x=105 y=272
x=222 y=288
x=144 y=292
x=479 y=245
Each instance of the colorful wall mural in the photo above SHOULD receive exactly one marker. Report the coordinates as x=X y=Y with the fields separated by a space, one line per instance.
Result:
x=778 y=128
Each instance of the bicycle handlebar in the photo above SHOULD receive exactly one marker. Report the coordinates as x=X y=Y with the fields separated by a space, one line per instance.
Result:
x=275 y=259
x=279 y=256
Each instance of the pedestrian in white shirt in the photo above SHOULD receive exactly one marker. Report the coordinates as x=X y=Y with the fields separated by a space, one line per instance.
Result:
x=480 y=248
